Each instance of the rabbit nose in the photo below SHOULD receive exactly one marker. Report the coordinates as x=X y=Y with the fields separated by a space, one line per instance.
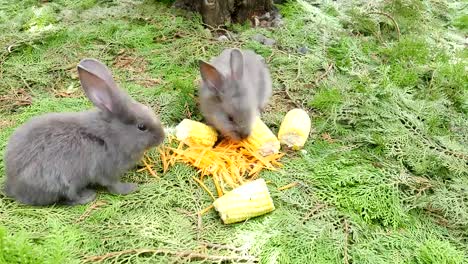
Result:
x=159 y=136
x=243 y=134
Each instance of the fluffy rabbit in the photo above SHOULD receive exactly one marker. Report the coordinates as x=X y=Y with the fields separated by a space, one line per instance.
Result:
x=55 y=158
x=235 y=88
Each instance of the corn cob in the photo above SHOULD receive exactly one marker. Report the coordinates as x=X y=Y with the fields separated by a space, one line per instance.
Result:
x=194 y=133
x=295 y=129
x=262 y=139
x=249 y=200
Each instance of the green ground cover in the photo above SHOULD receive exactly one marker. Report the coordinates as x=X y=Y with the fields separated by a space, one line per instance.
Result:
x=384 y=176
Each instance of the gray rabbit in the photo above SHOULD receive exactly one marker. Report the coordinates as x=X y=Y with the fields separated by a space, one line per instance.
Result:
x=235 y=88
x=55 y=158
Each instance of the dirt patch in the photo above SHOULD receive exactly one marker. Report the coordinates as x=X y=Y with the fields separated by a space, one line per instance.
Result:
x=14 y=100
x=146 y=81
x=130 y=63
x=138 y=66
x=72 y=91
x=279 y=103
x=4 y=123
x=327 y=137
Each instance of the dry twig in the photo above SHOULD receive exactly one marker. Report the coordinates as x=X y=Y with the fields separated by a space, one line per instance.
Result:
x=90 y=209
x=288 y=186
x=286 y=90
x=322 y=76
x=222 y=247
x=345 y=249
x=312 y=212
x=219 y=28
x=17 y=99
x=392 y=19
x=205 y=210
x=199 y=225
x=188 y=254
x=63 y=68
x=187 y=111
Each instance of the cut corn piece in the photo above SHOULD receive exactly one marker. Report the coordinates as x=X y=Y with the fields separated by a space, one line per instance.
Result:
x=263 y=139
x=249 y=200
x=194 y=133
x=295 y=129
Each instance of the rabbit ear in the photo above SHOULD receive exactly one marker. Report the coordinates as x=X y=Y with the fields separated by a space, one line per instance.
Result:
x=211 y=76
x=237 y=64
x=98 y=84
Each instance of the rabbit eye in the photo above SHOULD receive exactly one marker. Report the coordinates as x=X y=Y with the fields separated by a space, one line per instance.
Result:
x=142 y=127
x=230 y=118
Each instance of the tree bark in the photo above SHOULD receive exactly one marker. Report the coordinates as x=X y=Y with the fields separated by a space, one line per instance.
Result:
x=220 y=12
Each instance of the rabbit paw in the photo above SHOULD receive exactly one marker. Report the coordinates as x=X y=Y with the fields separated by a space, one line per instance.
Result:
x=83 y=197
x=122 y=188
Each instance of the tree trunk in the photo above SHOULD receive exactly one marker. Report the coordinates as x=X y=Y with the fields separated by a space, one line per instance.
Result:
x=220 y=12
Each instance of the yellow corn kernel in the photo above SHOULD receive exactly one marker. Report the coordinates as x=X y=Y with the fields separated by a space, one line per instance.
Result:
x=295 y=129
x=194 y=133
x=249 y=200
x=263 y=139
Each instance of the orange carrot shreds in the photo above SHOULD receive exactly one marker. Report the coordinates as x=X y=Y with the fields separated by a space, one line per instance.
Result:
x=204 y=187
x=147 y=157
x=202 y=212
x=151 y=171
x=257 y=168
x=197 y=162
x=142 y=169
x=218 y=187
x=164 y=160
x=254 y=176
x=229 y=164
x=288 y=186
x=228 y=179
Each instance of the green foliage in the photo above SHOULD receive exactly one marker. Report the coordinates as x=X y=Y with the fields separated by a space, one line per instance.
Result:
x=382 y=178
x=326 y=99
x=361 y=22
x=436 y=251
x=406 y=128
x=40 y=17
x=410 y=14
x=319 y=247
x=403 y=246
x=341 y=54
x=167 y=2
x=451 y=80
x=461 y=22
x=17 y=249
x=408 y=51
x=352 y=184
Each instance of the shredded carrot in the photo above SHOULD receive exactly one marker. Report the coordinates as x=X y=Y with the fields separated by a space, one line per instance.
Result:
x=218 y=187
x=255 y=169
x=288 y=186
x=204 y=187
x=151 y=171
x=142 y=169
x=228 y=163
x=148 y=158
x=254 y=177
x=201 y=212
x=164 y=160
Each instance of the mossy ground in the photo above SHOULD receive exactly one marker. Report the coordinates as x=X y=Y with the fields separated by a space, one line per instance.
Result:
x=384 y=178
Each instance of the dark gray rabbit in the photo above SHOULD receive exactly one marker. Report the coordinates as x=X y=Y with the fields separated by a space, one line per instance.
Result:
x=235 y=88
x=55 y=158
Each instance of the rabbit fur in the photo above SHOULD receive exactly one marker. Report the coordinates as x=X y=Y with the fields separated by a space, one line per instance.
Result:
x=235 y=88
x=57 y=157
